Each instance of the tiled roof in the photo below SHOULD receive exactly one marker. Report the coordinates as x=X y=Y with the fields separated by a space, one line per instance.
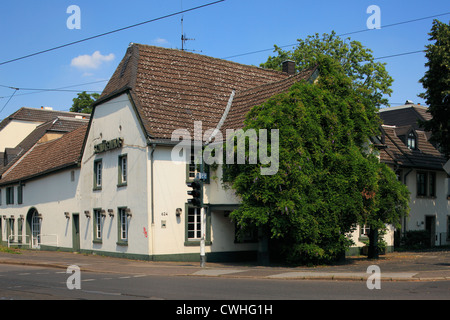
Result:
x=39 y=115
x=47 y=157
x=58 y=125
x=398 y=122
x=173 y=88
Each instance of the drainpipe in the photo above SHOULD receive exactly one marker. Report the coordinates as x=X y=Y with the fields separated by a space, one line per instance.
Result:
x=153 y=146
x=151 y=183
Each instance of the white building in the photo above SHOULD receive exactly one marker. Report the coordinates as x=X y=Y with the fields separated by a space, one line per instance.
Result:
x=118 y=192
x=110 y=186
x=419 y=165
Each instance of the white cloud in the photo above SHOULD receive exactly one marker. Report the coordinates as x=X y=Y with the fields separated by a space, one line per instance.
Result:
x=91 y=61
x=160 y=41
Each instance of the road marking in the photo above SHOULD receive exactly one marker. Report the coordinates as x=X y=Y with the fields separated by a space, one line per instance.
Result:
x=216 y=272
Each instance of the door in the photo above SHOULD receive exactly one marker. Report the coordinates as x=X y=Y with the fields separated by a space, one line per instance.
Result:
x=430 y=226
x=76 y=232
x=35 y=230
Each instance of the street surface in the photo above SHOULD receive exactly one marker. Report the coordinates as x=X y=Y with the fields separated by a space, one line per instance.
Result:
x=27 y=282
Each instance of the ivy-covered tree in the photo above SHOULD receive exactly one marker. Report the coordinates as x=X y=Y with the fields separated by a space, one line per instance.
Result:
x=436 y=82
x=316 y=198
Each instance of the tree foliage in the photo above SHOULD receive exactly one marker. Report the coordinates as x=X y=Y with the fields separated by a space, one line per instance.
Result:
x=317 y=196
x=436 y=82
x=356 y=60
x=83 y=102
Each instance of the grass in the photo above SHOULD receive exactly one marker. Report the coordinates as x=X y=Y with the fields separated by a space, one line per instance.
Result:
x=9 y=250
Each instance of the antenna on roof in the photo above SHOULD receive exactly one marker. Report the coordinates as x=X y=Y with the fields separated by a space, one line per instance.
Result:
x=184 y=39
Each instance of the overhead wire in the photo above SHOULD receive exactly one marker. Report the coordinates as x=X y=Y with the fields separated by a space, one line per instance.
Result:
x=109 y=32
x=349 y=33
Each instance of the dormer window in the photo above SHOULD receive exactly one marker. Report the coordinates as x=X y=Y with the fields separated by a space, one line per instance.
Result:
x=412 y=141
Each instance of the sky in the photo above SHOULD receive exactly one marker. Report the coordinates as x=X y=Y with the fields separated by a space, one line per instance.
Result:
x=230 y=29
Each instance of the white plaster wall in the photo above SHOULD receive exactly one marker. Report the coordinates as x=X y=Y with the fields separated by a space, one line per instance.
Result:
x=115 y=119
x=15 y=132
x=50 y=196
x=421 y=207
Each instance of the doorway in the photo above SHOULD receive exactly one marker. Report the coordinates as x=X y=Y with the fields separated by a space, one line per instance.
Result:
x=76 y=232
x=430 y=226
x=34 y=221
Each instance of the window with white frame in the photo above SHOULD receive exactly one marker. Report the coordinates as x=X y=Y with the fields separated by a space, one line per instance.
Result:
x=123 y=170
x=412 y=141
x=123 y=226
x=98 y=172
x=98 y=225
x=364 y=230
x=194 y=224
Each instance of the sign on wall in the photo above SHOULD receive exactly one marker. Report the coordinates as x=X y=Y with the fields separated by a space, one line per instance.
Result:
x=108 y=145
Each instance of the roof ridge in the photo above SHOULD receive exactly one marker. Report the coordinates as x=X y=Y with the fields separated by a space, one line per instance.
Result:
x=186 y=53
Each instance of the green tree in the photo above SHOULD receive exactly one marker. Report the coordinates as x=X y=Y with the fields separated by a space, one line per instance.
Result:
x=386 y=204
x=356 y=60
x=436 y=82
x=319 y=193
x=83 y=102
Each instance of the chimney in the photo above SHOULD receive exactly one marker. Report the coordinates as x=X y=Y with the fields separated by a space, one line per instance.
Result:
x=289 y=67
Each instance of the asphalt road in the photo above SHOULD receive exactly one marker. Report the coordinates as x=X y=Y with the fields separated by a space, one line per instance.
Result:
x=29 y=283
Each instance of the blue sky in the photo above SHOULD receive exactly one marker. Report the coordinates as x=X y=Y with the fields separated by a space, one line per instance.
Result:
x=229 y=28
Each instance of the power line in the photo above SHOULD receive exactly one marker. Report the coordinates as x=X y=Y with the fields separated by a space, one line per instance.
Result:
x=9 y=99
x=110 y=32
x=346 y=34
x=54 y=89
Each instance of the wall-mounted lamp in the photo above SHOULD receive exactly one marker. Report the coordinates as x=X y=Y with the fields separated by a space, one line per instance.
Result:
x=128 y=212
x=22 y=216
x=4 y=217
x=178 y=212
x=67 y=215
x=87 y=213
x=103 y=212
x=111 y=212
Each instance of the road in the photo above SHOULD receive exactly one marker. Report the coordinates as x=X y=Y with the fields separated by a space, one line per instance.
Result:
x=26 y=282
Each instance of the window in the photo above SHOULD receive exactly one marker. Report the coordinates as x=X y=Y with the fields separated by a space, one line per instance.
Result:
x=10 y=195
x=194 y=225
x=426 y=184
x=10 y=230
x=432 y=184
x=123 y=170
x=20 y=194
x=98 y=172
x=193 y=168
x=412 y=141
x=364 y=230
x=98 y=225
x=448 y=228
x=123 y=226
x=0 y=197
x=421 y=184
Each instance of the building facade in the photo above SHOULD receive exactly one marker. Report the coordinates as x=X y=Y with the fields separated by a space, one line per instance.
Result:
x=108 y=183
x=419 y=165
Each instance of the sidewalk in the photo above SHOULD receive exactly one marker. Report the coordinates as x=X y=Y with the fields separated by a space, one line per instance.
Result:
x=410 y=266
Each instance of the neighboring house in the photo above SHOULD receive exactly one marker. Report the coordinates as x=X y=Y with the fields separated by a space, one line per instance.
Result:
x=419 y=165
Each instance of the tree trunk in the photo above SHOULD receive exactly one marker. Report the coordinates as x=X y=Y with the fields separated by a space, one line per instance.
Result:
x=373 y=244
